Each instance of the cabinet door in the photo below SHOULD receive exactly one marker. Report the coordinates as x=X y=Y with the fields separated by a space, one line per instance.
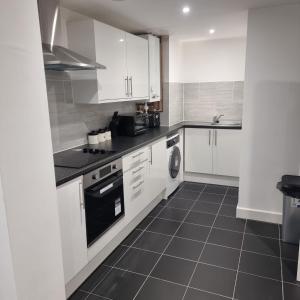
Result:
x=157 y=170
x=110 y=44
x=154 y=68
x=198 y=150
x=72 y=226
x=226 y=152
x=137 y=66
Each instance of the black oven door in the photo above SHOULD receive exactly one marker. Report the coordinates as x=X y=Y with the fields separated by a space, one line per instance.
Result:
x=104 y=205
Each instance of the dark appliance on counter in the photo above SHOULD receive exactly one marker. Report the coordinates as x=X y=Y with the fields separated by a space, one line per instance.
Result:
x=154 y=119
x=133 y=124
x=113 y=125
x=103 y=198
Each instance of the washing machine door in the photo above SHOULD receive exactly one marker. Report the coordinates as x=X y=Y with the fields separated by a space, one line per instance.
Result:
x=175 y=162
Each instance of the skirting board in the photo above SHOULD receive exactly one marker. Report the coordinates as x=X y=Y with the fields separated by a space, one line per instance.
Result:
x=211 y=179
x=75 y=283
x=259 y=215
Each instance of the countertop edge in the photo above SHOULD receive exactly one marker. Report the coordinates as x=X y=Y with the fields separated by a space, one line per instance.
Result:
x=169 y=131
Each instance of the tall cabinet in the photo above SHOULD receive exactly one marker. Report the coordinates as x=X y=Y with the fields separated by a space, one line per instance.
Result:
x=125 y=56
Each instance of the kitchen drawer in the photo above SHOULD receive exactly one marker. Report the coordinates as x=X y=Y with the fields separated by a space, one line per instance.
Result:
x=135 y=159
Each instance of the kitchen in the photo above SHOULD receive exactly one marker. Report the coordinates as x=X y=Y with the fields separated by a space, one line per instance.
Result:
x=178 y=201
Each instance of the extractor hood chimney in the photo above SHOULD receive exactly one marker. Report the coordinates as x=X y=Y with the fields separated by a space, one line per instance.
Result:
x=57 y=57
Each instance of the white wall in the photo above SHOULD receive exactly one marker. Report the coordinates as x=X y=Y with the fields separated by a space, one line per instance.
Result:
x=271 y=145
x=175 y=57
x=7 y=282
x=26 y=163
x=213 y=60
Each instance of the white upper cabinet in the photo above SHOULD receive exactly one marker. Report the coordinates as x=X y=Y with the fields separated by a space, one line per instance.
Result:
x=137 y=66
x=198 y=150
x=154 y=67
x=124 y=55
x=226 y=152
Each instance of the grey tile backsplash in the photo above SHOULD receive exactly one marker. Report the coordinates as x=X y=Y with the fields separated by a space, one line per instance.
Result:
x=204 y=100
x=175 y=103
x=70 y=122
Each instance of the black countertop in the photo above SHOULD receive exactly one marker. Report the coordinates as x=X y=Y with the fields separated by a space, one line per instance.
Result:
x=123 y=145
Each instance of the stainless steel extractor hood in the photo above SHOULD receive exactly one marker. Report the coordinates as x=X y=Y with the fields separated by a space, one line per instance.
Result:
x=57 y=57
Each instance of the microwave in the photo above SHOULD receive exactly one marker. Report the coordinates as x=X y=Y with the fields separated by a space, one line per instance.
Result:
x=133 y=124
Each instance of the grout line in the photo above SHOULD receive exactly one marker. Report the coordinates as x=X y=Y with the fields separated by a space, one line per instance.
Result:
x=281 y=269
x=238 y=269
x=190 y=280
x=167 y=245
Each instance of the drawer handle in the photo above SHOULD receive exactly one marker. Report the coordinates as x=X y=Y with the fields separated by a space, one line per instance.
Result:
x=138 y=185
x=137 y=155
x=138 y=170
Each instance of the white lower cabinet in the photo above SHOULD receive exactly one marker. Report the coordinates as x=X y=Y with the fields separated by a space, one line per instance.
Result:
x=72 y=227
x=212 y=151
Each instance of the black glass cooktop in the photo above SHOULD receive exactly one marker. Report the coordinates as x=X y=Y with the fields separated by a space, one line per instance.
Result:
x=80 y=157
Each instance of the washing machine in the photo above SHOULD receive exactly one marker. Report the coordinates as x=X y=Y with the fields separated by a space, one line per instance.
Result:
x=174 y=146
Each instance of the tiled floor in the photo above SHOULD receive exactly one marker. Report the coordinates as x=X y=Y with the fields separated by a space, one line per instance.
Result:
x=191 y=247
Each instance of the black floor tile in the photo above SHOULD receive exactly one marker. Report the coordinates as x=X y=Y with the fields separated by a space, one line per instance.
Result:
x=289 y=271
x=233 y=191
x=228 y=211
x=193 y=294
x=152 y=241
x=231 y=200
x=289 y=251
x=249 y=287
x=230 y=223
x=138 y=261
x=120 y=285
x=164 y=226
x=193 y=186
x=213 y=198
x=95 y=297
x=174 y=269
x=145 y=223
x=214 y=279
x=291 y=292
x=220 y=256
x=131 y=237
x=260 y=265
x=188 y=194
x=206 y=207
x=263 y=229
x=216 y=189
x=115 y=256
x=79 y=295
x=194 y=232
x=98 y=275
x=261 y=245
x=180 y=203
x=226 y=238
x=156 y=210
x=200 y=218
x=155 y=289
x=185 y=248
x=173 y=214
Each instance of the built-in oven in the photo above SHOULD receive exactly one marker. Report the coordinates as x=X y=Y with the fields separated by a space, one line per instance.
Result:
x=104 y=199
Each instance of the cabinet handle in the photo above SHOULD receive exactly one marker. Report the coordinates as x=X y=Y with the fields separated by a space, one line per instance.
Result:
x=138 y=170
x=130 y=79
x=216 y=137
x=126 y=86
x=81 y=201
x=137 y=155
x=209 y=138
x=138 y=185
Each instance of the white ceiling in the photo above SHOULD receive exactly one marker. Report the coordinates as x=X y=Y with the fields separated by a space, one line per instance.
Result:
x=228 y=17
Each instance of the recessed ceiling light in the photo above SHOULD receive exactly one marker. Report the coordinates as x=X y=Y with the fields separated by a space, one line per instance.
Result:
x=121 y=40
x=186 y=9
x=212 y=31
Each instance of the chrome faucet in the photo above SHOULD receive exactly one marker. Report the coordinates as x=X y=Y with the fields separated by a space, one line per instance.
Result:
x=216 y=119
